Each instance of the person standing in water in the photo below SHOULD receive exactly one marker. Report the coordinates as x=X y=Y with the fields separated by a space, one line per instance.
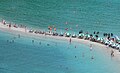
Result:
x=70 y=40
x=75 y=56
x=39 y=43
x=75 y=46
x=32 y=41
x=112 y=53
x=91 y=47
x=18 y=35
x=83 y=55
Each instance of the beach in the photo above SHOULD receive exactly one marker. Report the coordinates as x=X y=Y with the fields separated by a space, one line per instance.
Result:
x=59 y=36
x=23 y=32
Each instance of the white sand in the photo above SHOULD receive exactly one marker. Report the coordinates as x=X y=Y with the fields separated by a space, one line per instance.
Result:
x=21 y=31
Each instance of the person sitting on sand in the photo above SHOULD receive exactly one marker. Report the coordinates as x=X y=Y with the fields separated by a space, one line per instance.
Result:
x=4 y=22
x=9 y=25
x=15 y=26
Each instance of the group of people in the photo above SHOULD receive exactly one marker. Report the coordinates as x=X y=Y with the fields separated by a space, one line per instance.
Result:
x=52 y=27
x=91 y=48
x=15 y=26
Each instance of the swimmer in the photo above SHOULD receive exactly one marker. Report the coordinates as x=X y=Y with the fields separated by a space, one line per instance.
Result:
x=7 y=40
x=75 y=56
x=18 y=35
x=66 y=67
x=66 y=22
x=75 y=46
x=12 y=41
x=32 y=41
x=92 y=57
x=82 y=54
x=76 y=26
x=39 y=43
x=48 y=44
x=60 y=65
x=68 y=47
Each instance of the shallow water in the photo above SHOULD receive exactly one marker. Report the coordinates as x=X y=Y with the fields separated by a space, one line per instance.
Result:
x=25 y=56
x=57 y=56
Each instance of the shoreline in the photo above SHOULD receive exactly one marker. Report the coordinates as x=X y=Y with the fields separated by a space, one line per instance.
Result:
x=25 y=32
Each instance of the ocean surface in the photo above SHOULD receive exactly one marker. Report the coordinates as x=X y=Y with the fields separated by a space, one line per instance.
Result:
x=88 y=15
x=21 y=55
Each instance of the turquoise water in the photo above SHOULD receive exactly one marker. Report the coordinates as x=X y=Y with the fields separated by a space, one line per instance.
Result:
x=90 y=15
x=23 y=56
